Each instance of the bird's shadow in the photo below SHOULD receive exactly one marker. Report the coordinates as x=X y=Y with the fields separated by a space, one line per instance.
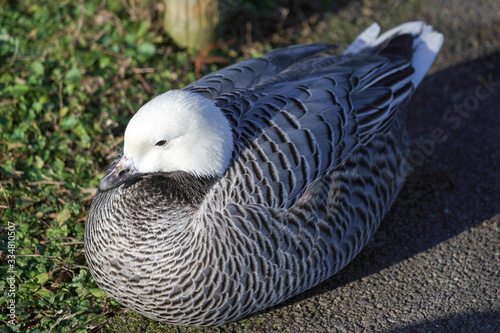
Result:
x=488 y=320
x=455 y=183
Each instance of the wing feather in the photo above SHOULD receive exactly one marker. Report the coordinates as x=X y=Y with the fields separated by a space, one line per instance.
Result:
x=296 y=117
x=250 y=73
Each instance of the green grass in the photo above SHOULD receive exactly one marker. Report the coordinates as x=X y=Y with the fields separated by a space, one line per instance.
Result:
x=71 y=75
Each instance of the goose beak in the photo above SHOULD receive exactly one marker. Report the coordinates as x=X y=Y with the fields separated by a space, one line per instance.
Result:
x=118 y=174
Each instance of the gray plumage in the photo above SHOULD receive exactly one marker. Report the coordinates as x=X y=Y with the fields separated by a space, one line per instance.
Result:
x=318 y=159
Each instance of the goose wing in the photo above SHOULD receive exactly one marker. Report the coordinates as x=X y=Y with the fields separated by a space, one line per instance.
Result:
x=249 y=73
x=304 y=121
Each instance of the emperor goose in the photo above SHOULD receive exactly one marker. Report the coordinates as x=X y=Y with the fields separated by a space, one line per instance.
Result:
x=258 y=181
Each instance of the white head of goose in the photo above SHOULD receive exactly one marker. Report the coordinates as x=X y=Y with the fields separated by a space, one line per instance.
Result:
x=256 y=182
x=176 y=131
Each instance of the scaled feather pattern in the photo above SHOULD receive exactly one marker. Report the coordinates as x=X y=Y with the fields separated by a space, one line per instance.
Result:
x=258 y=181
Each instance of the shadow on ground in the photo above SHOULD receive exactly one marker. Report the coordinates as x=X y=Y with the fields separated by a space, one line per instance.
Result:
x=258 y=22
x=476 y=322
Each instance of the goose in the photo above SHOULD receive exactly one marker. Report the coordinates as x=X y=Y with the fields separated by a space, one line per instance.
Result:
x=258 y=181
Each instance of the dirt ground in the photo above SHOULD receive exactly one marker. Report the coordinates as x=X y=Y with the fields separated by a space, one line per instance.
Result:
x=433 y=266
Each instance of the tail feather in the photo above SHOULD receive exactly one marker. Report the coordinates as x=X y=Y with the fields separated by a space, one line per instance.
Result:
x=426 y=44
x=364 y=40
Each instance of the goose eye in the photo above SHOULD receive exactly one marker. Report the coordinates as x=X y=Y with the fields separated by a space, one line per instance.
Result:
x=161 y=143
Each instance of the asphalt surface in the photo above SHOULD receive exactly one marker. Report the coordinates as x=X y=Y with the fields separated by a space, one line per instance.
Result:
x=434 y=264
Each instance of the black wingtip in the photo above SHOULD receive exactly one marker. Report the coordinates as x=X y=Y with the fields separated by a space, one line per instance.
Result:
x=400 y=45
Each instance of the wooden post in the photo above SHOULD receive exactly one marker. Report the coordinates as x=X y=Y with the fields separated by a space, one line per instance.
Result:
x=193 y=24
